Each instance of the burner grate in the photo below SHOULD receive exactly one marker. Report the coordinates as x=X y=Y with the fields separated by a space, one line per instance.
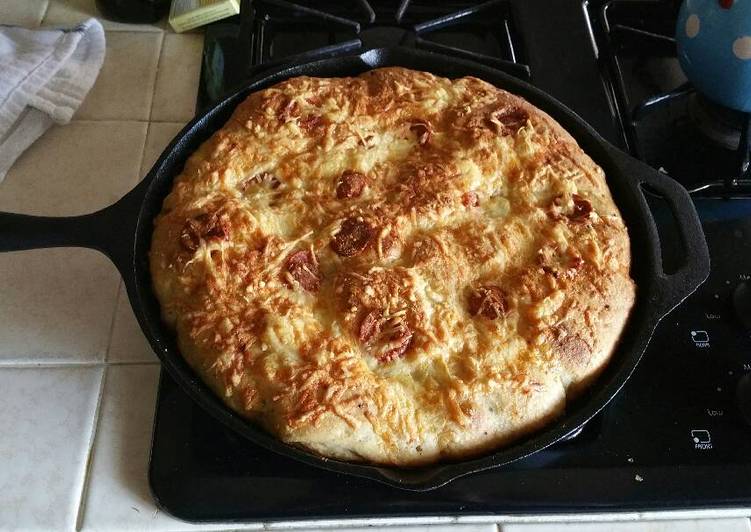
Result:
x=287 y=31
x=269 y=33
x=653 y=101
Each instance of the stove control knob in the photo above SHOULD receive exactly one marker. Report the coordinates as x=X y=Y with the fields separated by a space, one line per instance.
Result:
x=742 y=303
x=743 y=396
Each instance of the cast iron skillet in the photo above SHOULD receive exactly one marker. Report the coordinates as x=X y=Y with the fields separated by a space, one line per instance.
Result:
x=122 y=231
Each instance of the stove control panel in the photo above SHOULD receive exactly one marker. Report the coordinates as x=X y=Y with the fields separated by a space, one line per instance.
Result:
x=693 y=386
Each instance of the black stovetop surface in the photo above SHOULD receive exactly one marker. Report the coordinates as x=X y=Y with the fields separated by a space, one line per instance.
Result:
x=672 y=439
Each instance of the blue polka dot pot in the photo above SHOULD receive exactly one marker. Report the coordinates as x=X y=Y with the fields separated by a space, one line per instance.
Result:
x=714 y=49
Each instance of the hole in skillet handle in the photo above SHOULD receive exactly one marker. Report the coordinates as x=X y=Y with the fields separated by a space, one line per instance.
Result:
x=687 y=272
x=671 y=246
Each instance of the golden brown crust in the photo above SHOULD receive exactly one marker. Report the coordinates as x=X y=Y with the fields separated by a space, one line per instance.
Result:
x=394 y=267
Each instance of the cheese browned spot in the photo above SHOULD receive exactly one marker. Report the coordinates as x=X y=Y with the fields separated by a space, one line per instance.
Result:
x=395 y=268
x=204 y=227
x=470 y=199
x=582 y=208
x=261 y=179
x=421 y=128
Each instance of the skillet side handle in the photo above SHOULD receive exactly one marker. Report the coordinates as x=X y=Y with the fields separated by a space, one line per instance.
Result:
x=693 y=270
x=110 y=230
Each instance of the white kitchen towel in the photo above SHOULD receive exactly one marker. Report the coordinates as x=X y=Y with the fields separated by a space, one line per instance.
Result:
x=44 y=76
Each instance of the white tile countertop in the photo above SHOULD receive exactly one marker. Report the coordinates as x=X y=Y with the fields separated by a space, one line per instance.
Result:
x=78 y=379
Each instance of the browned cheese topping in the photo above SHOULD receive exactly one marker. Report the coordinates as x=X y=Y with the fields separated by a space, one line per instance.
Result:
x=395 y=267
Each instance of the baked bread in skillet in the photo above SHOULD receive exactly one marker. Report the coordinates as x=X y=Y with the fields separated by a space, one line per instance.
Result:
x=395 y=267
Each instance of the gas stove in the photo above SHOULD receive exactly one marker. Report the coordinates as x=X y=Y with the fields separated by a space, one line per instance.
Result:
x=678 y=436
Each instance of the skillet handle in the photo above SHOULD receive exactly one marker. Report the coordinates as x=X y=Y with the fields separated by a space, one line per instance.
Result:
x=693 y=269
x=110 y=230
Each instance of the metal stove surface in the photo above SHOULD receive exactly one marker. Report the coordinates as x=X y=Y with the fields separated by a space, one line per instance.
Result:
x=674 y=438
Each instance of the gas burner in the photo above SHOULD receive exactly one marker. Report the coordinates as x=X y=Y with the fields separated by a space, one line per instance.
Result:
x=720 y=124
x=664 y=121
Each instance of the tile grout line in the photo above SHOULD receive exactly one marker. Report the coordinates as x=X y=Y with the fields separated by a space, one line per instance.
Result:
x=119 y=29
x=90 y=452
x=46 y=11
x=138 y=28
x=151 y=108
x=141 y=174
x=126 y=120
x=118 y=294
x=156 y=76
x=77 y=365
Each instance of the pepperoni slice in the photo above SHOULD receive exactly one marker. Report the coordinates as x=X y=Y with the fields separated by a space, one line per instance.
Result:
x=370 y=326
x=488 y=301
x=575 y=262
x=303 y=268
x=397 y=345
x=582 y=209
x=289 y=110
x=421 y=128
x=387 y=345
x=470 y=199
x=353 y=237
x=190 y=238
x=508 y=120
x=314 y=100
x=351 y=185
x=311 y=123
x=204 y=227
